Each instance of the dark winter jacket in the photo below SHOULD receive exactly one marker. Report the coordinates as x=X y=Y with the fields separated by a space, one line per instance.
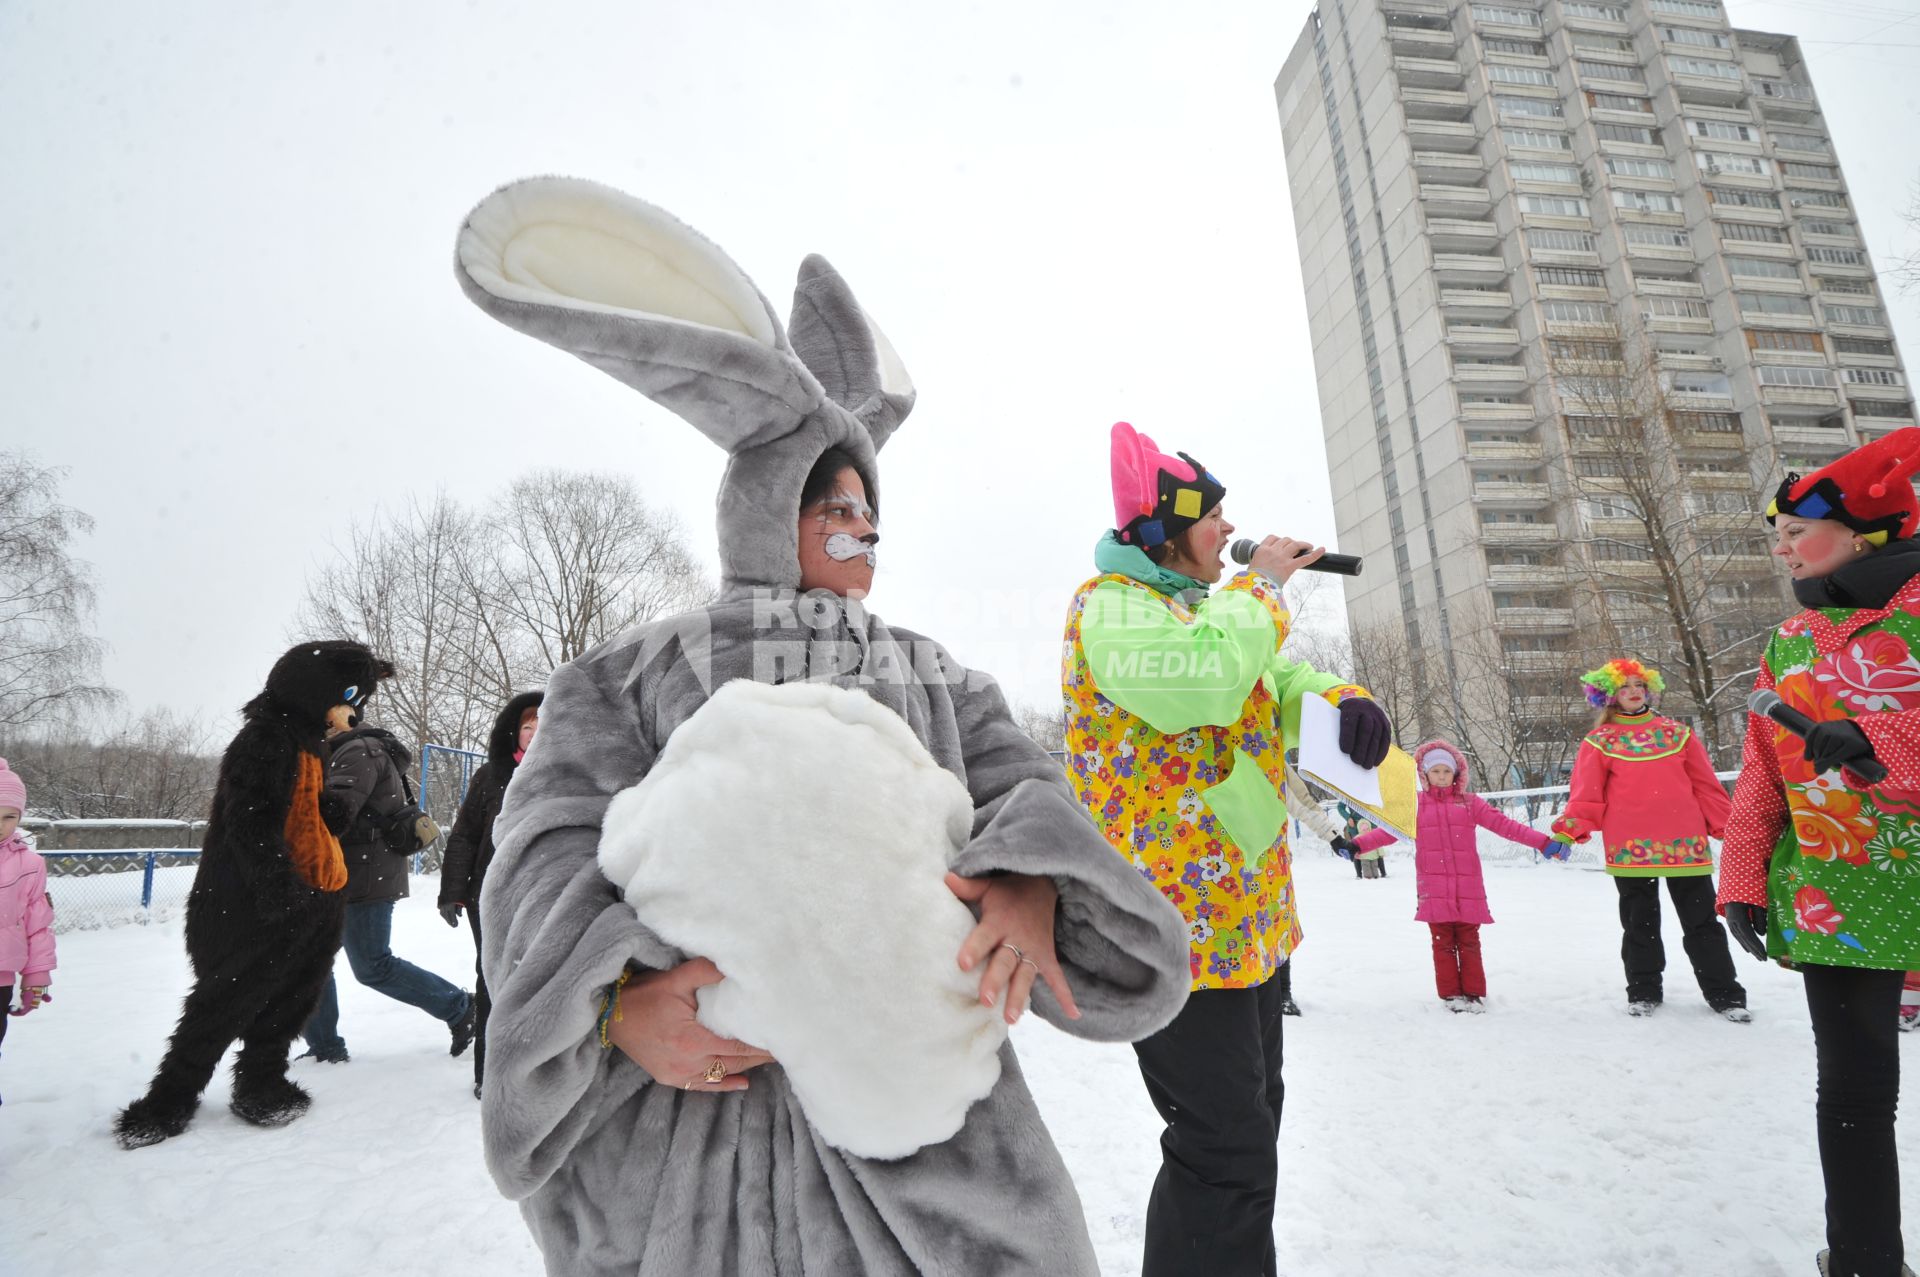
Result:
x=364 y=773
x=470 y=845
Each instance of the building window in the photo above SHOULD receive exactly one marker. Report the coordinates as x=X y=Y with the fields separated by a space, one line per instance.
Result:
x=1582 y=9
x=1824 y=199
x=1628 y=133
x=1578 y=312
x=1675 y=308
x=1569 y=277
x=1742 y=199
x=1873 y=377
x=1852 y=287
x=1537 y=139
x=1519 y=48
x=1762 y=268
x=1511 y=17
x=1838 y=230
x=1562 y=350
x=1530 y=171
x=1606 y=70
x=1774 y=304
x=1883 y=408
x=1862 y=346
x=1604 y=43
x=1720 y=131
x=1560 y=241
x=1658 y=237
x=1802 y=142
x=1750 y=233
x=1696 y=37
x=1714 y=423
x=1703 y=67
x=1837 y=256
x=1597 y=468
x=1687 y=8
x=1554 y=205
x=1619 y=102
x=1646 y=201
x=1544 y=108
x=1795 y=375
x=1698 y=383
x=1501 y=73
x=1773 y=339
x=1631 y=166
x=1820 y=172
x=1715 y=162
x=1855 y=315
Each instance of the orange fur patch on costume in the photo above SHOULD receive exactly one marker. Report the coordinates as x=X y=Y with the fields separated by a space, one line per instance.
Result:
x=316 y=852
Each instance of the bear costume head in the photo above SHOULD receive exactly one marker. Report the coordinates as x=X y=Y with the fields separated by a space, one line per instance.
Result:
x=313 y=677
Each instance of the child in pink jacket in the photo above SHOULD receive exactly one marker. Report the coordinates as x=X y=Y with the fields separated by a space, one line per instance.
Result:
x=26 y=915
x=1446 y=866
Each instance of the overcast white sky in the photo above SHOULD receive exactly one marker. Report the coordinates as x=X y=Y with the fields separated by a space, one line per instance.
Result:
x=227 y=304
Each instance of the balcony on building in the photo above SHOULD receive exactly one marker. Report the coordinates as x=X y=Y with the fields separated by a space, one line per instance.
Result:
x=1500 y=339
x=1527 y=575
x=1480 y=305
x=1861 y=391
x=1506 y=495
x=1428 y=73
x=1450 y=166
x=1700 y=89
x=1447 y=199
x=1535 y=662
x=1799 y=397
x=1784 y=99
x=1473 y=270
x=1420 y=37
x=1433 y=133
x=1534 y=620
x=1544 y=533
x=1521 y=451
x=1508 y=412
x=1460 y=235
x=1873 y=419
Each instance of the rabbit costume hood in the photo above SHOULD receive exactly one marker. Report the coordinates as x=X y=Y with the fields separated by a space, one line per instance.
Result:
x=651 y=302
x=617 y=1172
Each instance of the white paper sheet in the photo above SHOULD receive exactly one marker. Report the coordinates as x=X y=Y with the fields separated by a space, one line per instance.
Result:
x=1320 y=754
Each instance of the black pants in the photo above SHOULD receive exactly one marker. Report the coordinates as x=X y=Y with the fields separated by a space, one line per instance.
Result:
x=1214 y=1076
x=1645 y=958
x=482 y=1001
x=6 y=1004
x=1856 y=1041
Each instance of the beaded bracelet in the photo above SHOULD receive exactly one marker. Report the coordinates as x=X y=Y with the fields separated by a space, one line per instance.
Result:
x=610 y=1009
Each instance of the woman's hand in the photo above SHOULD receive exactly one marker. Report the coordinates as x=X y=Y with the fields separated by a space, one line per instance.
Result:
x=1013 y=943
x=656 y=1028
x=1280 y=557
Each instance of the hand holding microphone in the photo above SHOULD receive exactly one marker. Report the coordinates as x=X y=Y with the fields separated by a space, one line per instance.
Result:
x=1281 y=557
x=1830 y=745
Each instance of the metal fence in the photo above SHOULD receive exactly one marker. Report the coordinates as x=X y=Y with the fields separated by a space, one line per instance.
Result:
x=92 y=890
x=445 y=773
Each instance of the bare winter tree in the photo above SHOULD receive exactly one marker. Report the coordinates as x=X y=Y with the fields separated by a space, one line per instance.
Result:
x=1671 y=551
x=160 y=766
x=49 y=659
x=1046 y=726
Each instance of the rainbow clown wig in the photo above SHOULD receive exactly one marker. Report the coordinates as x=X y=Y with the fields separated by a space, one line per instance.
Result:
x=1603 y=683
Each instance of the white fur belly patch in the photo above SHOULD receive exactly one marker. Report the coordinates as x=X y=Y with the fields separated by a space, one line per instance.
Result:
x=798 y=836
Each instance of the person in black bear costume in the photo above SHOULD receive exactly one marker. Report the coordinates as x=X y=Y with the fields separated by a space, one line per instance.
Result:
x=265 y=913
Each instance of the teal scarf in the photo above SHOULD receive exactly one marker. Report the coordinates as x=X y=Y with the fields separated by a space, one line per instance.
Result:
x=1113 y=556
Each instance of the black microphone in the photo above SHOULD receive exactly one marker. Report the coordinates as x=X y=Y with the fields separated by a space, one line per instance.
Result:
x=1769 y=705
x=1345 y=564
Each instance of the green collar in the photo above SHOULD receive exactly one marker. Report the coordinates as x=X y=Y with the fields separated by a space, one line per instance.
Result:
x=1113 y=557
x=1624 y=719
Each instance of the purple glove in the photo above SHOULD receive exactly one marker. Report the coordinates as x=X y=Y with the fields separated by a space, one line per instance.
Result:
x=1559 y=847
x=1365 y=731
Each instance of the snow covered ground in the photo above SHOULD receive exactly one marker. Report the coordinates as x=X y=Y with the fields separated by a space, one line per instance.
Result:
x=1553 y=1135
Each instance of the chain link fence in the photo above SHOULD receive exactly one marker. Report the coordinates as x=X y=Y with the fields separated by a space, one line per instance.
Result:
x=92 y=890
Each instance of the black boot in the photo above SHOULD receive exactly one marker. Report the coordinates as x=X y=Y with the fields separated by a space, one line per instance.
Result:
x=153 y=1118
x=462 y=1029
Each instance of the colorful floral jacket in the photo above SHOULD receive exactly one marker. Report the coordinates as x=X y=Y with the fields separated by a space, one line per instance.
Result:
x=1646 y=783
x=1836 y=861
x=1177 y=720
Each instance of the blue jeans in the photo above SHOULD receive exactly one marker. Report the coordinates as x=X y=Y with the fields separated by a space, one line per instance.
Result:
x=368 y=942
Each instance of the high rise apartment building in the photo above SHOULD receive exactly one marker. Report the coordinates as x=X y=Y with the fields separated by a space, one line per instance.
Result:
x=1521 y=225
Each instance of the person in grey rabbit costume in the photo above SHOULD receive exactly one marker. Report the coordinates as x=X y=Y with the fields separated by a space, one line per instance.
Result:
x=711 y=1167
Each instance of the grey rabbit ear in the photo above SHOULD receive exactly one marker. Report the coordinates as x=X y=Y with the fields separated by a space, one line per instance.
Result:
x=641 y=296
x=846 y=351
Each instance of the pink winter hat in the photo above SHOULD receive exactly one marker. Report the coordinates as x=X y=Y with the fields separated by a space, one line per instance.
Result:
x=1156 y=497
x=13 y=790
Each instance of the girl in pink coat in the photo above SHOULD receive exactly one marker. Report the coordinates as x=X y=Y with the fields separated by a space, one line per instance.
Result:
x=1446 y=866
x=26 y=915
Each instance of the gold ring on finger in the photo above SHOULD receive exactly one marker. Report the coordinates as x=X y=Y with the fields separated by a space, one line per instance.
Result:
x=716 y=1073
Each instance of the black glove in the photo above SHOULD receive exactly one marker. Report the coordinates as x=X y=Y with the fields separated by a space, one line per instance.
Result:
x=1748 y=923
x=1837 y=744
x=1365 y=732
x=450 y=910
x=1344 y=848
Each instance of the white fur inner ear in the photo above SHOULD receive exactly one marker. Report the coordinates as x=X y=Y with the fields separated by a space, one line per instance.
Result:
x=893 y=373
x=568 y=242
